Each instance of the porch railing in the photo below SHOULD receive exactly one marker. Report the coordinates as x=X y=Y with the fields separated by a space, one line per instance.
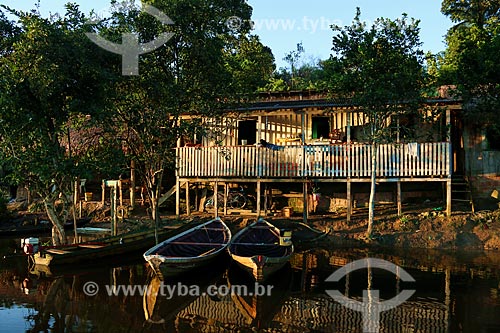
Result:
x=315 y=161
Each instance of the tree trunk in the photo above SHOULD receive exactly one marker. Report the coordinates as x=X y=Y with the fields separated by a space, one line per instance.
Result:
x=58 y=233
x=156 y=216
x=371 y=203
x=154 y=194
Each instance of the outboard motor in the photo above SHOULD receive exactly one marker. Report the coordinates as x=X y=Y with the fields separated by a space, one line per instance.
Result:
x=30 y=245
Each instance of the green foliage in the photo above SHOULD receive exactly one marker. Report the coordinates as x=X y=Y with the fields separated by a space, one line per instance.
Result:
x=471 y=59
x=250 y=63
x=201 y=71
x=380 y=69
x=52 y=92
x=309 y=76
x=477 y=12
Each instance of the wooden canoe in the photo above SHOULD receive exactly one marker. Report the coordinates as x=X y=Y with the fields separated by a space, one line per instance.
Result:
x=190 y=249
x=257 y=250
x=128 y=243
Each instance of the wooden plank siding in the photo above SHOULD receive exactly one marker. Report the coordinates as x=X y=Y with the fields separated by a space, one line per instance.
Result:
x=315 y=161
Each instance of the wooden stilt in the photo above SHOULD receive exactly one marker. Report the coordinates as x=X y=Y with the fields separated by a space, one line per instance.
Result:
x=258 y=198
x=349 y=201
x=216 y=203
x=120 y=189
x=265 y=199
x=226 y=188
x=448 y=196
x=305 y=199
x=196 y=197
x=188 y=207
x=398 y=189
x=103 y=194
x=177 y=198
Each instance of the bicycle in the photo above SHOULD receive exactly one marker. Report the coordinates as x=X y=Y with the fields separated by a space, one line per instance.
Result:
x=236 y=199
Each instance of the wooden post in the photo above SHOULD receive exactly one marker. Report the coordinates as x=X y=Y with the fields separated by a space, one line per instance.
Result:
x=114 y=225
x=226 y=188
x=265 y=199
x=177 y=197
x=304 y=179
x=76 y=198
x=103 y=192
x=348 y=153
x=448 y=196
x=259 y=128
x=305 y=199
x=398 y=189
x=448 y=181
x=349 y=201
x=258 y=198
x=188 y=208
x=132 y=184
x=120 y=189
x=216 y=203
x=196 y=197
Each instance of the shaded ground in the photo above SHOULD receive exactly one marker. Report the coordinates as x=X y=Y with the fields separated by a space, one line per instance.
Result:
x=420 y=226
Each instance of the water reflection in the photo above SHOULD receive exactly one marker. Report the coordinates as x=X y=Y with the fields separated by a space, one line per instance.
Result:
x=455 y=293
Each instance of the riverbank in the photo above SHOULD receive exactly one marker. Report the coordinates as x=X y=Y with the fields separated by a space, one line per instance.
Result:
x=420 y=226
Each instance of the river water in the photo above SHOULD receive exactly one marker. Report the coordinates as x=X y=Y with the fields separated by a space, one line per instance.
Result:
x=454 y=292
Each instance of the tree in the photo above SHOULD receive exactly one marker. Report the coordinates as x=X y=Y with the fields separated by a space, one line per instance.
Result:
x=380 y=70
x=293 y=58
x=51 y=87
x=471 y=58
x=481 y=13
x=250 y=63
x=192 y=74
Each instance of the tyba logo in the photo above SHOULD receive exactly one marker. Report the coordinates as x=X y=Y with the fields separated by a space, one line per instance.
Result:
x=130 y=48
x=371 y=307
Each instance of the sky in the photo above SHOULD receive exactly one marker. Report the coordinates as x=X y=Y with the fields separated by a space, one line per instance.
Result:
x=282 y=24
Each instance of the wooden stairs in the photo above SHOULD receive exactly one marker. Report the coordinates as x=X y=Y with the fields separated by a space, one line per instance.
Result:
x=461 y=193
x=167 y=195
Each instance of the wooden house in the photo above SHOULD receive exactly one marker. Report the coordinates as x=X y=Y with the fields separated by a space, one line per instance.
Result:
x=304 y=137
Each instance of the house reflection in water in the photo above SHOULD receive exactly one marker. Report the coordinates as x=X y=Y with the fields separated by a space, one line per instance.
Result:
x=453 y=294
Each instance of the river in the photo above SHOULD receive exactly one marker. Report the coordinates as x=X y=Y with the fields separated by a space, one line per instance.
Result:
x=454 y=292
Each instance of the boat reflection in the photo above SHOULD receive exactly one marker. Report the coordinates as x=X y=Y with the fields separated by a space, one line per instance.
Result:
x=259 y=302
x=455 y=293
x=166 y=297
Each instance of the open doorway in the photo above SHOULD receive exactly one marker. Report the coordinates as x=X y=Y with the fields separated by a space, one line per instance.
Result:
x=247 y=132
x=320 y=127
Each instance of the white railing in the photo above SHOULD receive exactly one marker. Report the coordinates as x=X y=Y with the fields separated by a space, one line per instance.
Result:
x=315 y=161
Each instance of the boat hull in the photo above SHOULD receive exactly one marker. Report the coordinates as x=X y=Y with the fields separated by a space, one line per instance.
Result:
x=170 y=268
x=126 y=244
x=189 y=250
x=260 y=268
x=257 y=250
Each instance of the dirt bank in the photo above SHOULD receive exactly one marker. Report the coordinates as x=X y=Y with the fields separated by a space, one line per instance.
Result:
x=420 y=226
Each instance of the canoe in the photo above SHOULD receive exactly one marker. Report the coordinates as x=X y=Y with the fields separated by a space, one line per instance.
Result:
x=128 y=243
x=190 y=249
x=260 y=250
